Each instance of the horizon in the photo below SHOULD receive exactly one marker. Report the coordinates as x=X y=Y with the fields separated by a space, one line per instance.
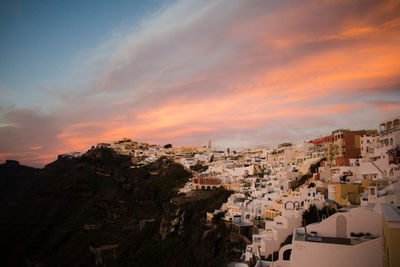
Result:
x=255 y=146
x=237 y=73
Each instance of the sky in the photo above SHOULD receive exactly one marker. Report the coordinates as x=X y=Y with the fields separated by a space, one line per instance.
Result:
x=238 y=73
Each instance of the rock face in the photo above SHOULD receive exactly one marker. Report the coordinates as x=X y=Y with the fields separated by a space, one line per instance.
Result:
x=127 y=216
x=173 y=221
x=204 y=243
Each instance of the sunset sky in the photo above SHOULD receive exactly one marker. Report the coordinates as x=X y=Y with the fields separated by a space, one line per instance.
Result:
x=241 y=73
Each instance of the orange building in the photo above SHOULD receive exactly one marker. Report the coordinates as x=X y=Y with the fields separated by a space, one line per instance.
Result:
x=345 y=145
x=205 y=183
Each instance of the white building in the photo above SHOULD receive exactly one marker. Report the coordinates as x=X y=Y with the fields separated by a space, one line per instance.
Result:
x=368 y=144
x=275 y=233
x=388 y=138
x=348 y=239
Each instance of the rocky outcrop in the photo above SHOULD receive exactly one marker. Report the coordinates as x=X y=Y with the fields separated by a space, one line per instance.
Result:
x=97 y=200
x=205 y=243
x=173 y=221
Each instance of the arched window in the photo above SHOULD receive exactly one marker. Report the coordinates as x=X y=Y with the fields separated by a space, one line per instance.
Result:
x=391 y=141
x=286 y=254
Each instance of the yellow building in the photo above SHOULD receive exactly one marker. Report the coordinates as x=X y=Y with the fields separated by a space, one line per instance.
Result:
x=348 y=193
x=367 y=183
x=231 y=187
x=187 y=149
x=391 y=235
x=270 y=213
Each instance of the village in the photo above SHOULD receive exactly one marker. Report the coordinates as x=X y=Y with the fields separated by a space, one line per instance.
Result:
x=327 y=201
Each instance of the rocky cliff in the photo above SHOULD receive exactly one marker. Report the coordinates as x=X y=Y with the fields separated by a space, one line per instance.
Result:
x=97 y=209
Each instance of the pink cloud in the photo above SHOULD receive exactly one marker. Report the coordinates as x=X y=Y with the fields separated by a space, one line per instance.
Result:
x=235 y=72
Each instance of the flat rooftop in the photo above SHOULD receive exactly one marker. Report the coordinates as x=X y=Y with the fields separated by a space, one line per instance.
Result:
x=300 y=236
x=242 y=223
x=390 y=212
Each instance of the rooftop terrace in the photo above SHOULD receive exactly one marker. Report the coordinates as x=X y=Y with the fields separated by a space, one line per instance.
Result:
x=314 y=237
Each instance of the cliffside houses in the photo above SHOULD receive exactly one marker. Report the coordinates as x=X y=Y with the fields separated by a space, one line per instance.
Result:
x=351 y=238
x=361 y=176
x=356 y=171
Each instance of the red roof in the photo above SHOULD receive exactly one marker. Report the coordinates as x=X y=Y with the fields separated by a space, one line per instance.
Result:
x=322 y=140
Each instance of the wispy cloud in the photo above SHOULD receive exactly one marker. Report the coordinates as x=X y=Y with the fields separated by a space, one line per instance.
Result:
x=238 y=72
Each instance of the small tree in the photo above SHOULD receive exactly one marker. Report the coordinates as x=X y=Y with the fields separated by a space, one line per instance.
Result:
x=313 y=214
x=167 y=146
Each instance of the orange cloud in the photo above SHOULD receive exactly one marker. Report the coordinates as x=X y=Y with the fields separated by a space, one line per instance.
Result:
x=251 y=73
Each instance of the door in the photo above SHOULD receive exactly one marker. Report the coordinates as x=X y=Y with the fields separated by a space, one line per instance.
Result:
x=341 y=226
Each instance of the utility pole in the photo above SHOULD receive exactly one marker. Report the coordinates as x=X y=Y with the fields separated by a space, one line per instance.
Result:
x=305 y=230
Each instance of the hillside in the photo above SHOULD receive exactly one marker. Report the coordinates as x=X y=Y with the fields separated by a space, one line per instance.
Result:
x=60 y=215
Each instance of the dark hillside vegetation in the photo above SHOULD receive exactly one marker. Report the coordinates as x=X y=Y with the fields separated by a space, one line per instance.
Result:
x=60 y=215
